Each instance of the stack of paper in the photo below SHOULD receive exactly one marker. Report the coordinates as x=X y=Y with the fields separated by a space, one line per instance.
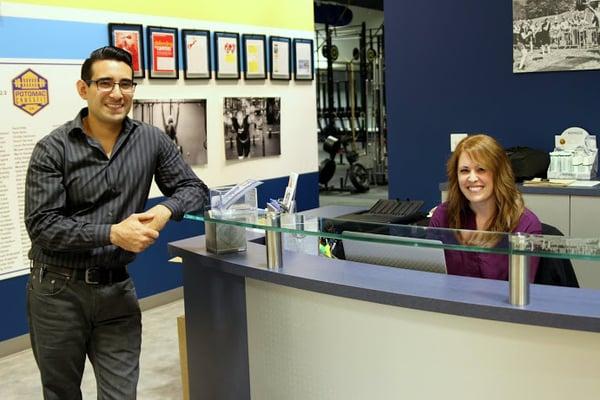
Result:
x=548 y=182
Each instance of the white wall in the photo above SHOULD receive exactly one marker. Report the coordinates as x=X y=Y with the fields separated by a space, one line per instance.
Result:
x=298 y=99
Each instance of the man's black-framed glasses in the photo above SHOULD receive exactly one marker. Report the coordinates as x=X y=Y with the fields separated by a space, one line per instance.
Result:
x=107 y=85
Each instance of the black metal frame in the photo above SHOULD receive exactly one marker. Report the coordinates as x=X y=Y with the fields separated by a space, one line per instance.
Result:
x=195 y=32
x=263 y=38
x=280 y=39
x=113 y=27
x=158 y=29
x=216 y=37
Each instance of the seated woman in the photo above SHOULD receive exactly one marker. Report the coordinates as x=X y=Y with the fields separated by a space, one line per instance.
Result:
x=482 y=196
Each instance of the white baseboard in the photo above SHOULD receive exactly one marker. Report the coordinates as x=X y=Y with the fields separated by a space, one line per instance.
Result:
x=161 y=298
x=14 y=345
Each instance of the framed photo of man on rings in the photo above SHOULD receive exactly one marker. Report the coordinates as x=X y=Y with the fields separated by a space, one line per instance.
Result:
x=129 y=37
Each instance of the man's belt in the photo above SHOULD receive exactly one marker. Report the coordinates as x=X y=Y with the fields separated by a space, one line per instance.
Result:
x=91 y=275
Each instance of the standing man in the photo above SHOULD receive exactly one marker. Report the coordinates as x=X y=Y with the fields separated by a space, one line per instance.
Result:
x=596 y=20
x=87 y=184
x=241 y=126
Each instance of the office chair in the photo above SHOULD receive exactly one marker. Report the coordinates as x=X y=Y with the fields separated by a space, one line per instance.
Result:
x=555 y=271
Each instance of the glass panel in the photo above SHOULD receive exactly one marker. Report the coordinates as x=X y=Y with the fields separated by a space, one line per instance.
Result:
x=301 y=225
x=557 y=246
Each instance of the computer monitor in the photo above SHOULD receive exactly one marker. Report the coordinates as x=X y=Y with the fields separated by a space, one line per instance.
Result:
x=429 y=259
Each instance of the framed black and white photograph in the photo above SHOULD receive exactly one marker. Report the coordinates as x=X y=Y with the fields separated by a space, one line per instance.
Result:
x=227 y=55
x=279 y=49
x=556 y=35
x=196 y=54
x=183 y=121
x=129 y=37
x=163 y=60
x=251 y=127
x=255 y=56
x=303 y=60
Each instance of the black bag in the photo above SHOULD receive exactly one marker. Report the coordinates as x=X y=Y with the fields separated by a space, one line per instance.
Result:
x=528 y=163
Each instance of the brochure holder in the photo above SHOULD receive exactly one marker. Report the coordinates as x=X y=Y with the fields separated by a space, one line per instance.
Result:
x=234 y=203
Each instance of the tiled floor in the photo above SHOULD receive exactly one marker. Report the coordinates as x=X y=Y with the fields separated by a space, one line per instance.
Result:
x=160 y=376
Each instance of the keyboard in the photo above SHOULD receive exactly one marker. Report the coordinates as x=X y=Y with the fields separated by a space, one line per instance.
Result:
x=389 y=212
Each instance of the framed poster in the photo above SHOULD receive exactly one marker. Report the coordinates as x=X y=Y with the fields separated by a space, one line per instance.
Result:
x=279 y=48
x=163 y=61
x=196 y=54
x=255 y=56
x=303 y=60
x=227 y=55
x=129 y=37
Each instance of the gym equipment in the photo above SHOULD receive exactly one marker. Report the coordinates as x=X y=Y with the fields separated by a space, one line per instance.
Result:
x=356 y=173
x=351 y=106
x=332 y=54
x=371 y=54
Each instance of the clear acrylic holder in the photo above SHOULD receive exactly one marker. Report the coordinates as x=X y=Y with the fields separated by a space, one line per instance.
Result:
x=223 y=238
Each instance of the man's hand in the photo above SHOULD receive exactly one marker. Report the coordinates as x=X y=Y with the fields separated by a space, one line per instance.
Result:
x=134 y=233
x=161 y=214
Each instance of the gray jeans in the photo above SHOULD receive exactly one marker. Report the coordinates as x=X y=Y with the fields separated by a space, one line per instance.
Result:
x=71 y=319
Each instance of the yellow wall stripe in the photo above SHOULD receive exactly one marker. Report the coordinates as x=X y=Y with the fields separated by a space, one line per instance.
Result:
x=286 y=14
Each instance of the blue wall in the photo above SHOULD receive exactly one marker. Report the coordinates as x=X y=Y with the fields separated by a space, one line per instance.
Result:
x=151 y=271
x=449 y=69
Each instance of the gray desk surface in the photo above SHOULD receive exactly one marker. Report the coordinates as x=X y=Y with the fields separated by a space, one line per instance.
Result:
x=550 y=306
x=566 y=191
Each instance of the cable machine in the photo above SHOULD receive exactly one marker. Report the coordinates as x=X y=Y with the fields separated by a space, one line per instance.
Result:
x=338 y=129
x=351 y=108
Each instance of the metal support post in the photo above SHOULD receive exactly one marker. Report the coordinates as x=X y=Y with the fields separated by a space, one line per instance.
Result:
x=273 y=242
x=518 y=273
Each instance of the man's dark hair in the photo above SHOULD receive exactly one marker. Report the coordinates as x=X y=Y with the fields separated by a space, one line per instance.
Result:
x=104 y=53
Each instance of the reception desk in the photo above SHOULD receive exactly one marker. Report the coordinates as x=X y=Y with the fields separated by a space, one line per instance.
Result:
x=318 y=328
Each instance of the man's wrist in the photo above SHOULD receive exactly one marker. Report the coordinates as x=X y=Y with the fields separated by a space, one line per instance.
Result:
x=166 y=212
